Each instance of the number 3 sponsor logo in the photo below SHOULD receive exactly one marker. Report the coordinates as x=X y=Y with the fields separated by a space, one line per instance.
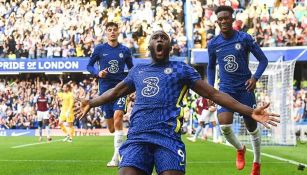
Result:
x=113 y=66
x=231 y=65
x=151 y=89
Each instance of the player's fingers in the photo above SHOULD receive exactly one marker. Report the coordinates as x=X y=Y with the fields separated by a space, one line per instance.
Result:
x=274 y=115
x=265 y=106
x=274 y=119
x=272 y=123
x=265 y=125
x=248 y=86
x=247 y=82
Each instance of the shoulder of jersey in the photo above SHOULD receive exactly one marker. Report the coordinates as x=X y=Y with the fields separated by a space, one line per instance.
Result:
x=244 y=35
x=123 y=47
x=99 y=46
x=213 y=40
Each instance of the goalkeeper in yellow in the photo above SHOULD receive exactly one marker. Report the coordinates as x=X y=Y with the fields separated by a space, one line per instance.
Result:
x=67 y=112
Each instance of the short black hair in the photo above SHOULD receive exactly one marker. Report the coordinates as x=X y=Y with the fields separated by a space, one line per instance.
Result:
x=111 y=24
x=224 y=8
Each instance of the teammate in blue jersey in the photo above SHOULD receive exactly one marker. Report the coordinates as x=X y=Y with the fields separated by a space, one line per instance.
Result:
x=230 y=50
x=154 y=138
x=112 y=58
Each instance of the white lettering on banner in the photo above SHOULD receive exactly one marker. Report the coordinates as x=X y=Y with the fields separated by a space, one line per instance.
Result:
x=31 y=65
x=58 y=65
x=12 y=65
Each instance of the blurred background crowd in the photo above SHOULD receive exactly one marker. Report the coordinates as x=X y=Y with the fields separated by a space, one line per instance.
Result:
x=17 y=110
x=72 y=28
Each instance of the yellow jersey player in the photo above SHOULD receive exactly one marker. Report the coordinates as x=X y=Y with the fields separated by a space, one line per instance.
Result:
x=67 y=112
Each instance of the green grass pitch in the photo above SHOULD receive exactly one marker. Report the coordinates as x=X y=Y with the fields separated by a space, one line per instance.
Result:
x=89 y=155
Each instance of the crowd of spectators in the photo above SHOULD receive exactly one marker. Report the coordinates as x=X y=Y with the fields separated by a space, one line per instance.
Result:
x=272 y=23
x=72 y=28
x=17 y=109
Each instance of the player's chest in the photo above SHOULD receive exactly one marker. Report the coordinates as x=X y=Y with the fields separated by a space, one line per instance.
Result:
x=111 y=55
x=162 y=77
x=235 y=49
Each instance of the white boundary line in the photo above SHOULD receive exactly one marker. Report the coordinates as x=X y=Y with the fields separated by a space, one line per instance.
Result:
x=274 y=157
x=39 y=143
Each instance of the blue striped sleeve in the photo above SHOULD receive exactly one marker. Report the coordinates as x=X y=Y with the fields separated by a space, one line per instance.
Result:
x=128 y=60
x=258 y=53
x=93 y=59
x=211 y=65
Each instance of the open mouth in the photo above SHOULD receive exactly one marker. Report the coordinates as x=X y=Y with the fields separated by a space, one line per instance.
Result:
x=159 y=47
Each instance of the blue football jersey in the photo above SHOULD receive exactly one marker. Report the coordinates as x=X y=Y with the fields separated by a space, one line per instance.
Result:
x=159 y=92
x=112 y=58
x=232 y=56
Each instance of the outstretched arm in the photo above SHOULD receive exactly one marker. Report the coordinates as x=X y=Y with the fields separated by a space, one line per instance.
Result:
x=121 y=89
x=222 y=99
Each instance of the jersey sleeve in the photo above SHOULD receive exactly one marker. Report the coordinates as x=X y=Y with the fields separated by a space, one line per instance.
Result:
x=190 y=75
x=128 y=60
x=258 y=53
x=211 y=65
x=93 y=59
x=129 y=79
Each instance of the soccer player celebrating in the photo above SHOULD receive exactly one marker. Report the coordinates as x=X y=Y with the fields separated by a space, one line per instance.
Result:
x=230 y=49
x=154 y=137
x=67 y=112
x=112 y=58
x=42 y=101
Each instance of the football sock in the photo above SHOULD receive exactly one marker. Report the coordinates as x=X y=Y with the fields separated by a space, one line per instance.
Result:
x=256 y=142
x=206 y=129
x=72 y=131
x=48 y=131
x=118 y=141
x=230 y=136
x=40 y=131
x=40 y=128
x=198 y=130
x=63 y=129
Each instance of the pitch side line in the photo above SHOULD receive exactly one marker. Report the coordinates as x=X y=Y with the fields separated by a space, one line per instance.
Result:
x=99 y=161
x=274 y=157
x=39 y=143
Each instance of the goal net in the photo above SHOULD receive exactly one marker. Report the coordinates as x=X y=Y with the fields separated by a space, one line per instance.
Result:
x=274 y=87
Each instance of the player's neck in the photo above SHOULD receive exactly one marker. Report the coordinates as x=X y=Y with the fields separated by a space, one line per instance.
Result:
x=228 y=34
x=113 y=43
x=156 y=61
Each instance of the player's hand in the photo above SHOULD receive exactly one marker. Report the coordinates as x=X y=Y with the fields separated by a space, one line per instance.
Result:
x=82 y=108
x=103 y=73
x=212 y=108
x=210 y=103
x=262 y=116
x=251 y=84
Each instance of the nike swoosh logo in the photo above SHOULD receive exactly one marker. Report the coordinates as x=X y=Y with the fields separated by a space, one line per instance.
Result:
x=19 y=134
x=217 y=50
x=104 y=54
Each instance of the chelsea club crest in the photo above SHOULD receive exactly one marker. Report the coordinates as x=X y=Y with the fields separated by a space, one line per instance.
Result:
x=121 y=55
x=168 y=70
x=238 y=46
